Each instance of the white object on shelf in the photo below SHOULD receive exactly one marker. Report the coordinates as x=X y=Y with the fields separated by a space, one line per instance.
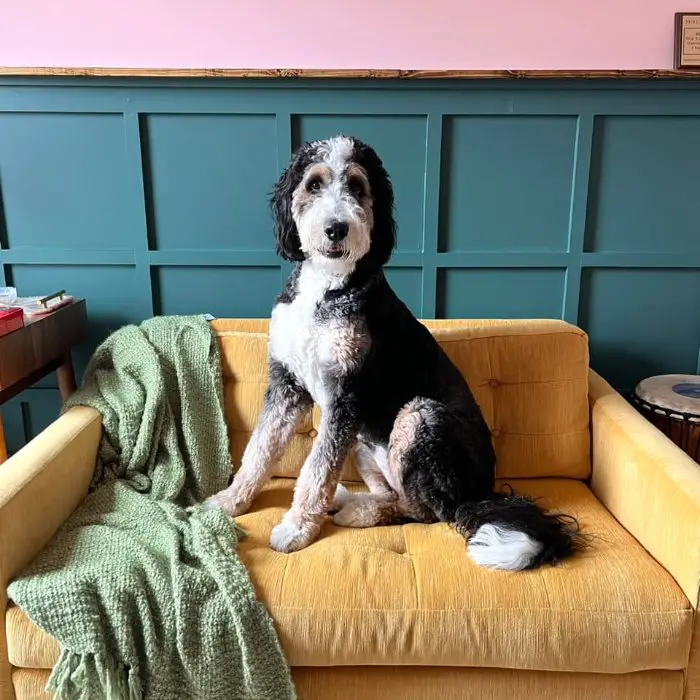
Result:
x=8 y=296
x=32 y=306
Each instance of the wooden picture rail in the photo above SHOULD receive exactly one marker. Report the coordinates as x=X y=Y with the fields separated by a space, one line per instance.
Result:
x=277 y=73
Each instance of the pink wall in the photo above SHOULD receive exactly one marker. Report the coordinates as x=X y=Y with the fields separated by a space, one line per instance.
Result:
x=427 y=34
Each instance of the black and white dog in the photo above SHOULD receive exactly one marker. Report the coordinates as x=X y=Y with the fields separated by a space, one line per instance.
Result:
x=340 y=337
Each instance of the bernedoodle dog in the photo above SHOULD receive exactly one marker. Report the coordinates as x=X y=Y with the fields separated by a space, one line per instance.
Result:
x=340 y=337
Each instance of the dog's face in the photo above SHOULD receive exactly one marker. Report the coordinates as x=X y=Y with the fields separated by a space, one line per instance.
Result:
x=334 y=205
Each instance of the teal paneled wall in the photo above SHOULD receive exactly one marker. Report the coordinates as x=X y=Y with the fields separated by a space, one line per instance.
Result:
x=575 y=200
x=507 y=183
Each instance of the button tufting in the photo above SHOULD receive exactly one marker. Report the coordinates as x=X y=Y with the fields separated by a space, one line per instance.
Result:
x=313 y=433
x=494 y=383
x=495 y=432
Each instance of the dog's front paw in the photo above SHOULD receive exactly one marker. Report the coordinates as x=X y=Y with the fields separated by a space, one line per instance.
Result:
x=291 y=537
x=227 y=501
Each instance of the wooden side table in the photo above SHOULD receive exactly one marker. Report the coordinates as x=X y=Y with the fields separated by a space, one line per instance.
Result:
x=3 y=445
x=41 y=347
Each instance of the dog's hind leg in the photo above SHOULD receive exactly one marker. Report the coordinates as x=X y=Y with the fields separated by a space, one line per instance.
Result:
x=285 y=404
x=436 y=461
x=441 y=459
x=381 y=506
x=367 y=461
x=412 y=427
x=371 y=509
x=433 y=467
x=371 y=465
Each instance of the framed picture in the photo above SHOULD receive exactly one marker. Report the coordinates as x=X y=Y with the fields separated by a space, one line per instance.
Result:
x=687 y=40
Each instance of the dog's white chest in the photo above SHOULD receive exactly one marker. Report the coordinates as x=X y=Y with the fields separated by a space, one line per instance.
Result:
x=298 y=344
x=311 y=349
x=299 y=341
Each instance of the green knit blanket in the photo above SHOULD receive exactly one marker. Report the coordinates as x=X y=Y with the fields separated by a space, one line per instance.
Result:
x=142 y=587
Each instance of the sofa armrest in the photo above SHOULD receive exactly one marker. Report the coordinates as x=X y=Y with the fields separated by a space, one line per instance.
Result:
x=40 y=487
x=43 y=483
x=648 y=483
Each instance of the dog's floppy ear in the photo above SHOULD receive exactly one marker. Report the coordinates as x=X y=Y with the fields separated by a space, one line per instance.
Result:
x=287 y=235
x=384 y=230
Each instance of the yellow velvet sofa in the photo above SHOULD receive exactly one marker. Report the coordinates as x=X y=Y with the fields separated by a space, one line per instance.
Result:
x=401 y=612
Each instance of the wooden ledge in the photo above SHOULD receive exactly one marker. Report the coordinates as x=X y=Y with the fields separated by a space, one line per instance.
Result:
x=288 y=73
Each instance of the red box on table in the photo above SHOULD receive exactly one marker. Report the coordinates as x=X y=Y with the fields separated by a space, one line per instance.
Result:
x=11 y=320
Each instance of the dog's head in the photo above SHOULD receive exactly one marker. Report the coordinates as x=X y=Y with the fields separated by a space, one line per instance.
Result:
x=334 y=205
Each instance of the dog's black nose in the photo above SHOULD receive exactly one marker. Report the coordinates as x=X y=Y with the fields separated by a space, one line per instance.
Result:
x=336 y=231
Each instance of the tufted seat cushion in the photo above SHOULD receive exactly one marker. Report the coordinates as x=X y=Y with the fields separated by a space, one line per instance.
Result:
x=408 y=595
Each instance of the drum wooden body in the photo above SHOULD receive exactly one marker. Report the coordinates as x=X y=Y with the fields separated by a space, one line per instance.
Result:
x=671 y=402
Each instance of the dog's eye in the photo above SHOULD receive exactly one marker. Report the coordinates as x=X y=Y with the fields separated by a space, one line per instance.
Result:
x=314 y=184
x=357 y=187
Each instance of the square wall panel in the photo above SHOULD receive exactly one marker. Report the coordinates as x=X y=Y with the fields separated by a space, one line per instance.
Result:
x=501 y=293
x=224 y=292
x=506 y=183
x=26 y=415
x=210 y=179
x=407 y=282
x=400 y=142
x=645 y=185
x=64 y=180
x=641 y=322
x=112 y=296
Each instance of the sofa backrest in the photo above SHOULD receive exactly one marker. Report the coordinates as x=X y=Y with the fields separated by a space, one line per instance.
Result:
x=530 y=378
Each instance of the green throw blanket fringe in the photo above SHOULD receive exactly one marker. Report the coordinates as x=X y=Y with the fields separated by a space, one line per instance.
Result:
x=142 y=587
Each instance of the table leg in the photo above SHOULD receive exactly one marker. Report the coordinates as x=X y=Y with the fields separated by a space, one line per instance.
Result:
x=3 y=446
x=66 y=376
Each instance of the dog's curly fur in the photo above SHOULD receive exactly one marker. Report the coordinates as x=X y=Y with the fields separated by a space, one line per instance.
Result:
x=340 y=337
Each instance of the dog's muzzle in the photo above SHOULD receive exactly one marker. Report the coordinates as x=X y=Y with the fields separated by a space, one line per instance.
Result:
x=336 y=232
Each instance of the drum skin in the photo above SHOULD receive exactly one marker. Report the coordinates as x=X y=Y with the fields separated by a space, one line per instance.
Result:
x=671 y=402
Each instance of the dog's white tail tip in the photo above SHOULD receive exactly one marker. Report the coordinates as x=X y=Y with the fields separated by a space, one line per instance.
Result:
x=501 y=548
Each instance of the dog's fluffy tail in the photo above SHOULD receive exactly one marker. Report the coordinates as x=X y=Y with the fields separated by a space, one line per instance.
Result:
x=513 y=533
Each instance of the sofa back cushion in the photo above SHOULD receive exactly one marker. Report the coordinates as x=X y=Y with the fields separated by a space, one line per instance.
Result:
x=530 y=378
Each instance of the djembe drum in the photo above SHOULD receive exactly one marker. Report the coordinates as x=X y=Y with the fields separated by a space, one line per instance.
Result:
x=672 y=403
